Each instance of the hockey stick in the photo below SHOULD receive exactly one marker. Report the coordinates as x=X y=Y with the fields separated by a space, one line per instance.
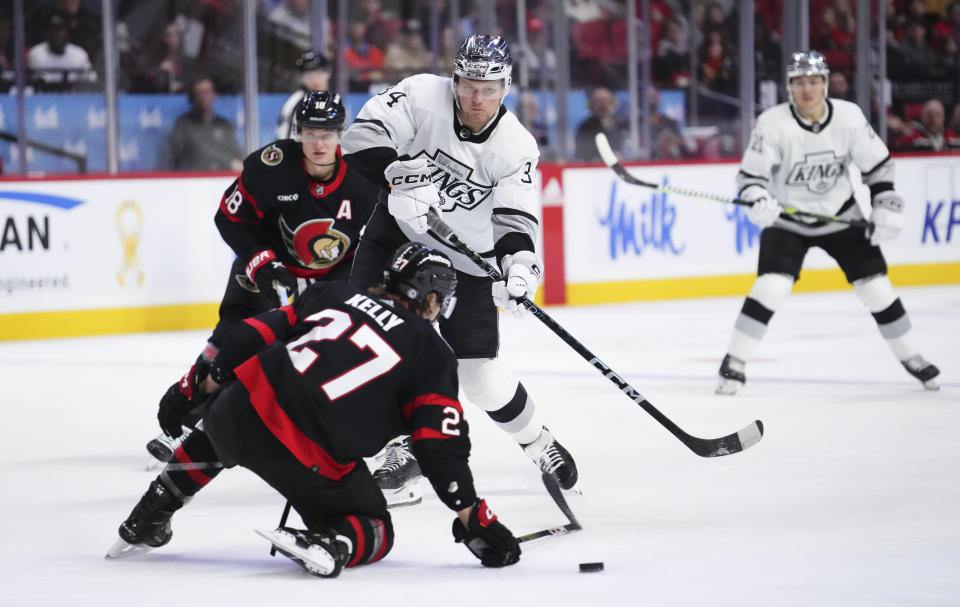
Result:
x=610 y=159
x=704 y=447
x=573 y=525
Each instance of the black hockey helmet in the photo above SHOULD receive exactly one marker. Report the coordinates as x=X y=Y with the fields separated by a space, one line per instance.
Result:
x=313 y=60
x=320 y=110
x=484 y=57
x=416 y=270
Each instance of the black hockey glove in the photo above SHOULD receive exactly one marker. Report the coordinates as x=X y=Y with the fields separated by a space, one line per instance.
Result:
x=487 y=538
x=182 y=397
x=269 y=273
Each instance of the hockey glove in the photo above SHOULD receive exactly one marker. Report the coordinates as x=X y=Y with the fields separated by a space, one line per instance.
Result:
x=412 y=194
x=764 y=210
x=181 y=398
x=522 y=273
x=886 y=217
x=270 y=275
x=487 y=538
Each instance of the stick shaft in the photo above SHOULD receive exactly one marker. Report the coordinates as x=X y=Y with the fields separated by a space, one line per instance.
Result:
x=732 y=443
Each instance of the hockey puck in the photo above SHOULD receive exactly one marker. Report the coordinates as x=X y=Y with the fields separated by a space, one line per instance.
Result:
x=589 y=567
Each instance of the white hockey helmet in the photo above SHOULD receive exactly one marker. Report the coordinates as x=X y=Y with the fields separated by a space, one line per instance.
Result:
x=808 y=63
x=484 y=57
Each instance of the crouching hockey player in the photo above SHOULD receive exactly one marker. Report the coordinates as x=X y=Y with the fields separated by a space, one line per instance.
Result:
x=303 y=393
x=799 y=153
x=450 y=145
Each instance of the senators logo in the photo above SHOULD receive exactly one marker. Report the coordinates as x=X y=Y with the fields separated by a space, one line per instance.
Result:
x=315 y=243
x=271 y=156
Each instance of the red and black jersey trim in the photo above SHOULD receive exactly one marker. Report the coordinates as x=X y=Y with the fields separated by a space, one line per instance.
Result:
x=264 y=401
x=429 y=400
x=247 y=197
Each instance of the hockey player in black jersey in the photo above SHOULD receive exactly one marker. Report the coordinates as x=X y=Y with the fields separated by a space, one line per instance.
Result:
x=293 y=216
x=310 y=389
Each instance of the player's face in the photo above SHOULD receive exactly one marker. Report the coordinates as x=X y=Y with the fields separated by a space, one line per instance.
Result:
x=319 y=145
x=808 y=91
x=479 y=101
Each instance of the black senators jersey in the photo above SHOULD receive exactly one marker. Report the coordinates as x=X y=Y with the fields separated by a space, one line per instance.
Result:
x=312 y=226
x=340 y=372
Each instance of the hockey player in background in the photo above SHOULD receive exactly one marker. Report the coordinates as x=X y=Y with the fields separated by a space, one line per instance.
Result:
x=314 y=68
x=449 y=144
x=310 y=389
x=799 y=153
x=293 y=216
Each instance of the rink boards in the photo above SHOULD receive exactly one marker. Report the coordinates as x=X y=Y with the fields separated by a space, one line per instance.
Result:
x=105 y=255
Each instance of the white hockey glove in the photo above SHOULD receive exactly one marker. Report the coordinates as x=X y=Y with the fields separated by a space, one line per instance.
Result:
x=522 y=273
x=764 y=210
x=412 y=194
x=886 y=217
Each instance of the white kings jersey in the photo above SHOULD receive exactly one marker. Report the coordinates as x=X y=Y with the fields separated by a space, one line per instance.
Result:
x=486 y=180
x=806 y=165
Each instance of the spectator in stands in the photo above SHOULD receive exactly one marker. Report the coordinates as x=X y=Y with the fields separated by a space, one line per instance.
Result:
x=947 y=28
x=86 y=30
x=530 y=54
x=839 y=87
x=603 y=118
x=364 y=60
x=717 y=71
x=168 y=69
x=379 y=31
x=836 y=43
x=202 y=140
x=671 y=66
x=56 y=62
x=291 y=20
x=917 y=56
x=528 y=111
x=407 y=55
x=664 y=130
x=929 y=134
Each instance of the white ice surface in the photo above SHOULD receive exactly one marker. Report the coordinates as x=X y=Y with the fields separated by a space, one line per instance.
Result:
x=851 y=498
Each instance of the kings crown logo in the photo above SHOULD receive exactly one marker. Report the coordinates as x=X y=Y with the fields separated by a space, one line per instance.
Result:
x=818 y=172
x=452 y=179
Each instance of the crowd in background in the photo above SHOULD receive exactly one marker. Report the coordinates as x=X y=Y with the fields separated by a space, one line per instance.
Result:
x=167 y=45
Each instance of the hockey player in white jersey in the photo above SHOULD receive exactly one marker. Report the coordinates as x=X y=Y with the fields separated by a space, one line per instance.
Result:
x=450 y=144
x=799 y=153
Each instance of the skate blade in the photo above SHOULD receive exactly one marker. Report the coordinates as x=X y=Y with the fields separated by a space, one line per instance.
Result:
x=121 y=550
x=408 y=494
x=931 y=385
x=727 y=387
x=317 y=562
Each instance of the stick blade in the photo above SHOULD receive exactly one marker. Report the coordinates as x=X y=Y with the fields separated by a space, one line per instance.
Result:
x=747 y=437
x=606 y=152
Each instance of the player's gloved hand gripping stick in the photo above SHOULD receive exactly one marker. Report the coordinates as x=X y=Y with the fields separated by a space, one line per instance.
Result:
x=704 y=447
x=611 y=160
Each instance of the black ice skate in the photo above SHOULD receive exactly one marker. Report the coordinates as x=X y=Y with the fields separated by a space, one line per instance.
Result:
x=320 y=551
x=399 y=476
x=923 y=370
x=148 y=526
x=552 y=459
x=732 y=375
